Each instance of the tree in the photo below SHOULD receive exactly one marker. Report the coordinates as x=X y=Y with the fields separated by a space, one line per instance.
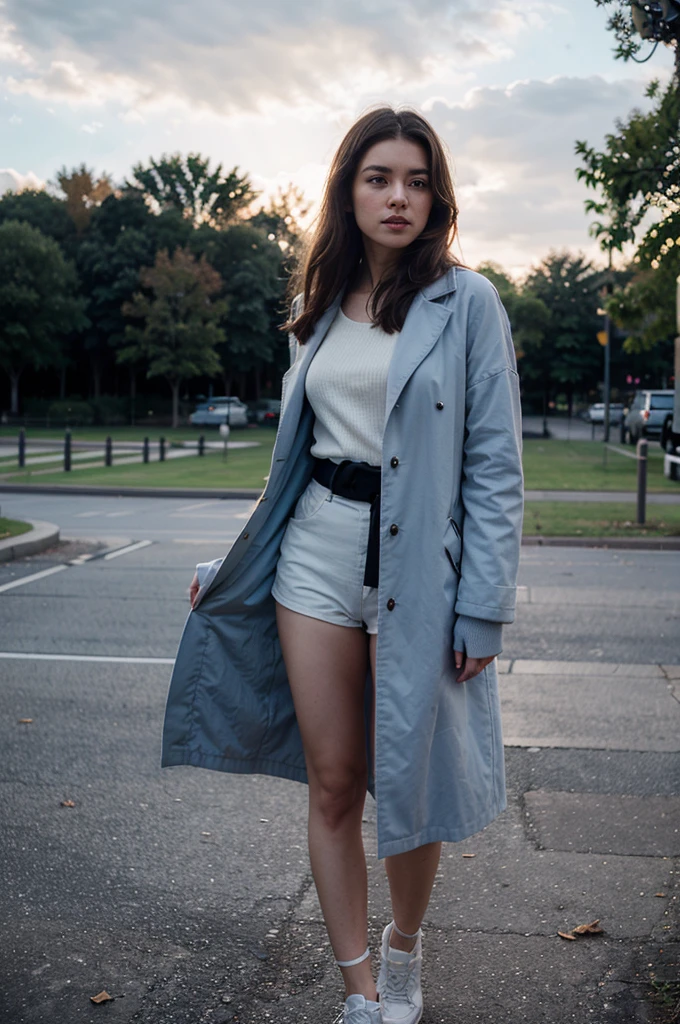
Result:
x=568 y=354
x=177 y=329
x=530 y=321
x=187 y=184
x=250 y=266
x=637 y=178
x=83 y=193
x=38 y=301
x=280 y=222
x=44 y=212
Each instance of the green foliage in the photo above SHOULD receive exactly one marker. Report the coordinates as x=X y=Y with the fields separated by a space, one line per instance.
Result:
x=529 y=316
x=559 y=350
x=620 y=23
x=73 y=412
x=251 y=267
x=187 y=184
x=637 y=172
x=42 y=211
x=280 y=222
x=177 y=323
x=38 y=301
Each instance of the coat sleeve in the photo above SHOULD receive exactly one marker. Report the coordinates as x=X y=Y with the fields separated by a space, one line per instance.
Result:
x=492 y=483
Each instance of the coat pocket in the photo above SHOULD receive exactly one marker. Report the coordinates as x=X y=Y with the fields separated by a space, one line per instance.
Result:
x=453 y=545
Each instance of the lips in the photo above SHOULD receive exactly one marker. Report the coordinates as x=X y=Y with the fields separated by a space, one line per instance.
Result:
x=396 y=220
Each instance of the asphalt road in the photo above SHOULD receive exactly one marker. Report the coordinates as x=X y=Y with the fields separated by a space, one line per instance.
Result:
x=574 y=604
x=186 y=894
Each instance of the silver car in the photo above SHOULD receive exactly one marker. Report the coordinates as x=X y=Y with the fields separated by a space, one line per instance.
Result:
x=218 y=411
x=647 y=414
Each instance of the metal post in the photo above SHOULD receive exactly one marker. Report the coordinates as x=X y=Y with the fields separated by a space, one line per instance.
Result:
x=641 y=480
x=108 y=452
x=161 y=450
x=67 y=451
x=145 y=450
x=22 y=448
x=201 y=445
x=607 y=356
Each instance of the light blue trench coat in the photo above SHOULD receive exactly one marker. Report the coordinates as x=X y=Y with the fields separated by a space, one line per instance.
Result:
x=452 y=482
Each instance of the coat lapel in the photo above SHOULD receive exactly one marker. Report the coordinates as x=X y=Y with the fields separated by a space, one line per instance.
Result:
x=424 y=323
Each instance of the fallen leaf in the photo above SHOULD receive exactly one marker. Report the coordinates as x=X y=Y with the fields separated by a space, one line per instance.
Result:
x=102 y=997
x=25 y=721
x=567 y=935
x=588 y=929
x=661 y=894
x=469 y=855
x=67 y=803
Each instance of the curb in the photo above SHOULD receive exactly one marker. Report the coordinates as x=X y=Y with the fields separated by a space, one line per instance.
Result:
x=629 y=543
x=43 y=535
x=133 y=492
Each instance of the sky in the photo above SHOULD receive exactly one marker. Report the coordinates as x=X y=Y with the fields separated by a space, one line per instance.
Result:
x=271 y=86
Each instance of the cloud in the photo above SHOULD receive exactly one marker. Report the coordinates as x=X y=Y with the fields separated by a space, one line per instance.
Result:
x=513 y=153
x=228 y=56
x=13 y=181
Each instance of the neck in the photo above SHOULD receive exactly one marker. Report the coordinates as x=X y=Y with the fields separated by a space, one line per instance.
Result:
x=377 y=261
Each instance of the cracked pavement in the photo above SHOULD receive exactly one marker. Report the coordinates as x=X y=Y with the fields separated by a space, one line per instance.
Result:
x=187 y=896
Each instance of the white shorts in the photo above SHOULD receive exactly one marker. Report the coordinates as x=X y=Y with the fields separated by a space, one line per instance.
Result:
x=323 y=558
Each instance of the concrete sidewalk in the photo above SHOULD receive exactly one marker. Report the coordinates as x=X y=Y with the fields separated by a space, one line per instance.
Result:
x=592 y=831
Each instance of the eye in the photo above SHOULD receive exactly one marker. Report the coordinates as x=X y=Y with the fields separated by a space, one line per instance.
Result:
x=377 y=179
x=419 y=183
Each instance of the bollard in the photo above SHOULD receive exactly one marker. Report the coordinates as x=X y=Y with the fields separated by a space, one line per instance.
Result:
x=145 y=450
x=108 y=452
x=67 y=451
x=22 y=448
x=641 y=480
x=161 y=450
x=201 y=445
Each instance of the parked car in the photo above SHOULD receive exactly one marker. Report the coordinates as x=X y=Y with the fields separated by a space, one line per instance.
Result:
x=647 y=414
x=220 y=410
x=596 y=413
x=264 y=411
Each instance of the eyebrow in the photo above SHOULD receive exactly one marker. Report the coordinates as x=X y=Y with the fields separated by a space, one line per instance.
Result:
x=387 y=170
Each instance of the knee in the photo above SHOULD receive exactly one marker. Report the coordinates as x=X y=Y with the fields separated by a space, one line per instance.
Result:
x=337 y=792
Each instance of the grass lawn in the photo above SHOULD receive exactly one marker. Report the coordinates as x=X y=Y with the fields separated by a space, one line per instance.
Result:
x=243 y=467
x=12 y=528
x=589 y=466
x=598 y=519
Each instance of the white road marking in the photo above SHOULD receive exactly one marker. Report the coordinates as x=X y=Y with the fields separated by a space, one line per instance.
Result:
x=31 y=579
x=111 y=659
x=190 y=508
x=204 y=540
x=116 y=515
x=128 y=549
x=87 y=515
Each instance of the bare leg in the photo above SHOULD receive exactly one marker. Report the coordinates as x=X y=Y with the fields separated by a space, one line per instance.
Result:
x=326 y=666
x=411 y=877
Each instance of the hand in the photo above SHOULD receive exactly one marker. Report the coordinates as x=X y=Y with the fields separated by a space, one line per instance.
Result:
x=194 y=587
x=470 y=666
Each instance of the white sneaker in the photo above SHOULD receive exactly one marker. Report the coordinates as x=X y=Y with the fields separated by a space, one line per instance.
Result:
x=401 y=996
x=359 y=1010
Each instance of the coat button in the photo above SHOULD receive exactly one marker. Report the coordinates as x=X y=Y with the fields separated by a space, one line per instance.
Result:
x=390 y=604
x=439 y=405
x=245 y=536
x=394 y=462
x=394 y=529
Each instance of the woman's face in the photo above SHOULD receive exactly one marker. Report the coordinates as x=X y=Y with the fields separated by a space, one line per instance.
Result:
x=391 y=193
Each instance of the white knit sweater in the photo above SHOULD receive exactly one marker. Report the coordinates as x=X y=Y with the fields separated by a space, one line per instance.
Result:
x=347 y=386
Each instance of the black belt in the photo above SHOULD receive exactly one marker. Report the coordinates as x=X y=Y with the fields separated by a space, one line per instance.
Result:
x=359 y=482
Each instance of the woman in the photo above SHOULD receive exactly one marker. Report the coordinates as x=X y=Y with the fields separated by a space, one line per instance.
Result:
x=380 y=561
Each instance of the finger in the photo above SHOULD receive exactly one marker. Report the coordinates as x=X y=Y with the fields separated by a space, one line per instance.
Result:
x=458 y=656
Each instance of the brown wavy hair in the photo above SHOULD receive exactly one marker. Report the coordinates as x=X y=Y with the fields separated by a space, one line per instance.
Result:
x=336 y=249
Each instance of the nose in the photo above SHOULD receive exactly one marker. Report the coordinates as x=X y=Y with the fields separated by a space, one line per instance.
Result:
x=398 y=197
